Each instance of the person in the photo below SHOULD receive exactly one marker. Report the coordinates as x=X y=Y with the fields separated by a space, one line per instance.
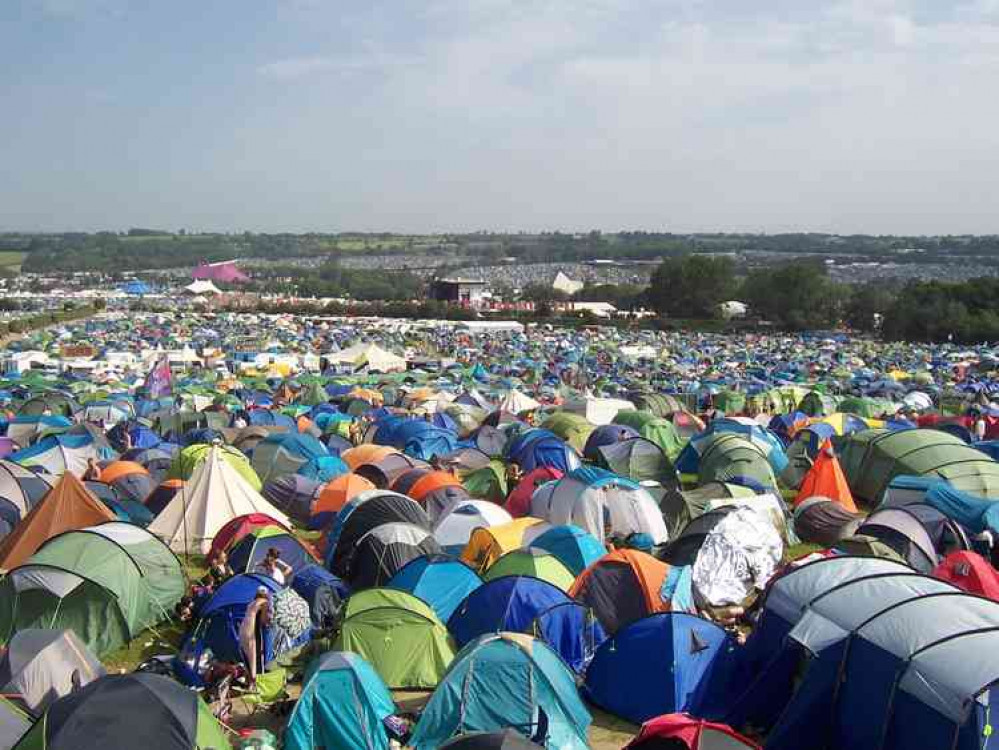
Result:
x=93 y=472
x=239 y=422
x=980 y=427
x=513 y=474
x=272 y=565
x=185 y=609
x=255 y=619
x=219 y=570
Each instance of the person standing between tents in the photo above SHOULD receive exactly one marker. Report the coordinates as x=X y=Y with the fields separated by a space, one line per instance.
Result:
x=272 y=565
x=251 y=631
x=219 y=570
x=980 y=426
x=93 y=472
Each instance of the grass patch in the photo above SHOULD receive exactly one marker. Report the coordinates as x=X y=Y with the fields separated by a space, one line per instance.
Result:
x=11 y=259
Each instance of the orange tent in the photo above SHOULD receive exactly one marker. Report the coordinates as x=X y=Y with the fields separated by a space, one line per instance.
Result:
x=67 y=506
x=338 y=493
x=368 y=453
x=118 y=469
x=430 y=482
x=621 y=587
x=826 y=479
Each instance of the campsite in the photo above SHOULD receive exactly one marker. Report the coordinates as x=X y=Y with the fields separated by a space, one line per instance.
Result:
x=242 y=530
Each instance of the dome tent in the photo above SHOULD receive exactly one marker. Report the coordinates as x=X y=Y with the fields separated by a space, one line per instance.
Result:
x=38 y=666
x=505 y=680
x=125 y=712
x=399 y=635
x=107 y=583
x=343 y=704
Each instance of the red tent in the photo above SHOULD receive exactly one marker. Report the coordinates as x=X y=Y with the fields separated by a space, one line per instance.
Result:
x=970 y=572
x=518 y=503
x=237 y=528
x=226 y=271
x=682 y=732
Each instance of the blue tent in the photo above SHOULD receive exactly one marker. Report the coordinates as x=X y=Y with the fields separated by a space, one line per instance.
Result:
x=508 y=603
x=323 y=468
x=669 y=662
x=441 y=581
x=607 y=434
x=536 y=447
x=268 y=418
x=324 y=592
x=506 y=680
x=575 y=549
x=136 y=287
x=415 y=437
x=218 y=624
x=286 y=453
x=343 y=704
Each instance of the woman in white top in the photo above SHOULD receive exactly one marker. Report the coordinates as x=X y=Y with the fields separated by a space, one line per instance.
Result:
x=272 y=565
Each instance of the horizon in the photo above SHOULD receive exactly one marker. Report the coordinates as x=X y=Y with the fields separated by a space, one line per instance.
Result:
x=871 y=117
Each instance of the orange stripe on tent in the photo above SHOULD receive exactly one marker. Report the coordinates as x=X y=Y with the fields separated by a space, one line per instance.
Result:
x=365 y=454
x=339 y=492
x=432 y=481
x=119 y=469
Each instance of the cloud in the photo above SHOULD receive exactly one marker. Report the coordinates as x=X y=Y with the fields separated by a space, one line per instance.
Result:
x=295 y=67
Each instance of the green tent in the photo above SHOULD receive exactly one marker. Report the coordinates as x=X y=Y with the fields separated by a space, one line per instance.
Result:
x=399 y=635
x=872 y=458
x=640 y=460
x=572 y=428
x=190 y=458
x=487 y=483
x=729 y=457
x=107 y=583
x=730 y=402
x=658 y=404
x=871 y=408
x=817 y=404
x=534 y=562
x=680 y=507
x=655 y=429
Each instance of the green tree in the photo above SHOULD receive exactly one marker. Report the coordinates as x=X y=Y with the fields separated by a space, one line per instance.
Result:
x=797 y=296
x=866 y=302
x=692 y=286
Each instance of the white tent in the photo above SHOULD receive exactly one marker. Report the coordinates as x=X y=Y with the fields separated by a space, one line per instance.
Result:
x=598 y=411
x=201 y=286
x=371 y=356
x=214 y=495
x=516 y=402
x=563 y=283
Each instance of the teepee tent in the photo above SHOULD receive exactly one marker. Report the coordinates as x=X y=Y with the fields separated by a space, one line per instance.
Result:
x=214 y=495
x=371 y=356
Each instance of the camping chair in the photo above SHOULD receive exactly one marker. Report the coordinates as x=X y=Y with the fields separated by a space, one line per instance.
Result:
x=269 y=691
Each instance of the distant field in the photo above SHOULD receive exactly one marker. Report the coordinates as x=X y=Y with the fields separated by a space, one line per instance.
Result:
x=11 y=260
x=147 y=237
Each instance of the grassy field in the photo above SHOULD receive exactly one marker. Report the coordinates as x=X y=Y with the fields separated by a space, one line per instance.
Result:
x=11 y=260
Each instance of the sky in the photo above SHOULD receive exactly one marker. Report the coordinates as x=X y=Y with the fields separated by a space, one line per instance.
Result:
x=850 y=116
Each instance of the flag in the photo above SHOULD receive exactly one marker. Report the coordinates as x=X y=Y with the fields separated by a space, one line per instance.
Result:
x=159 y=381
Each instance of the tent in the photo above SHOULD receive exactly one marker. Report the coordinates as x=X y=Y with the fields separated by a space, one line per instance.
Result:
x=214 y=495
x=501 y=681
x=20 y=490
x=488 y=483
x=439 y=580
x=518 y=502
x=597 y=411
x=285 y=453
x=871 y=459
x=246 y=554
x=399 y=635
x=13 y=724
x=658 y=430
x=107 y=583
x=230 y=534
x=383 y=471
x=38 y=666
x=343 y=704
x=534 y=562
x=574 y=429
x=903 y=531
x=293 y=494
x=516 y=402
x=61 y=454
x=130 y=480
x=217 y=627
x=640 y=460
x=362 y=514
x=684 y=732
x=370 y=356
x=574 y=548
x=455 y=525
x=487 y=545
x=67 y=506
x=621 y=587
x=819 y=520
x=161 y=496
x=535 y=447
x=26 y=429
x=825 y=478
x=969 y=572
x=594 y=499
x=384 y=550
x=334 y=495
x=665 y=663
x=128 y=711
x=731 y=458
x=188 y=459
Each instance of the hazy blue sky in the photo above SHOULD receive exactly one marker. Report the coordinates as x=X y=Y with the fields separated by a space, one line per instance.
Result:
x=424 y=115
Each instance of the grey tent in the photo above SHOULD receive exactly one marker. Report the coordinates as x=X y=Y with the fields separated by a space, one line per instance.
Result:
x=39 y=666
x=683 y=548
x=13 y=724
x=638 y=459
x=821 y=520
x=383 y=551
x=904 y=533
x=294 y=494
